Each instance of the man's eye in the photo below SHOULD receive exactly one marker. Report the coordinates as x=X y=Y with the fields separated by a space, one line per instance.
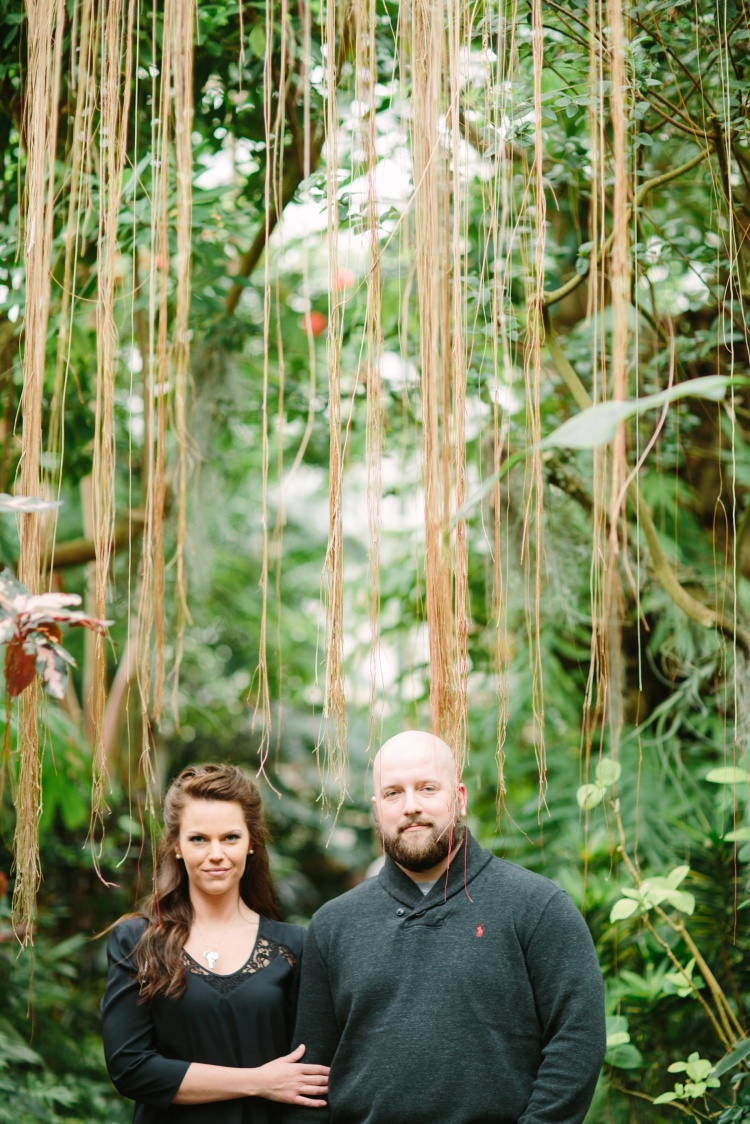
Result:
x=389 y=793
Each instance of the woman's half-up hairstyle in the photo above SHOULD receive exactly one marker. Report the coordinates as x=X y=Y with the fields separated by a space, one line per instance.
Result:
x=169 y=911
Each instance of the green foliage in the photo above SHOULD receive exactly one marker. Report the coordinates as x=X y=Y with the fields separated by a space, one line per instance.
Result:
x=678 y=777
x=51 y=1062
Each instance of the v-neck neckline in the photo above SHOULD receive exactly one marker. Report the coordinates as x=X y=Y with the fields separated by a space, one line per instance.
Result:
x=227 y=975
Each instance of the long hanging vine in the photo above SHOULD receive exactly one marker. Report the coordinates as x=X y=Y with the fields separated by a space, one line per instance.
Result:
x=483 y=315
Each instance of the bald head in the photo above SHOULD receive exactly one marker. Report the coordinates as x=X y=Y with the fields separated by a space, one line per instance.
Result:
x=412 y=746
x=419 y=802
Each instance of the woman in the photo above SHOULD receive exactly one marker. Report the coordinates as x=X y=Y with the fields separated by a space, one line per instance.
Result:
x=199 y=1003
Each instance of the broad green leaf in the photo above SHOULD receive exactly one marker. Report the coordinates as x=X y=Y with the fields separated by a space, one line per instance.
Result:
x=257 y=41
x=619 y=1038
x=589 y=795
x=623 y=909
x=665 y=1098
x=598 y=425
x=626 y=1056
x=607 y=772
x=14 y=1049
x=616 y=1024
x=655 y=890
x=699 y=1069
x=683 y=901
x=676 y=876
x=733 y=1058
x=730 y=774
x=741 y=835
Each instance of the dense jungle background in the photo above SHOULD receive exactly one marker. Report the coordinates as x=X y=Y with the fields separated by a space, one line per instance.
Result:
x=608 y=705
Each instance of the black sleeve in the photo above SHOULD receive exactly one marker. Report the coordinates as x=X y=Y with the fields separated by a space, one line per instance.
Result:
x=569 y=994
x=137 y=1069
x=316 y=1025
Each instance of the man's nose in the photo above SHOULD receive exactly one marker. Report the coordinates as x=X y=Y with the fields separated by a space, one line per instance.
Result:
x=412 y=803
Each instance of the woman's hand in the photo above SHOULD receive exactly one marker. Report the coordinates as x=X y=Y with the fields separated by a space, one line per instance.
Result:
x=292 y=1081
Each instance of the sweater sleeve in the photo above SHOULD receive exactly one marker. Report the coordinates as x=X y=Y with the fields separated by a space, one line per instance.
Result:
x=316 y=1024
x=136 y=1067
x=569 y=994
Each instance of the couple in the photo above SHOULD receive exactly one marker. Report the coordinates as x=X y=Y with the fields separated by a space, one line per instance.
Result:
x=454 y=988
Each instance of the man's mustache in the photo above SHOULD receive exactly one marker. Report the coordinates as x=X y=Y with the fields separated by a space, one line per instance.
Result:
x=415 y=823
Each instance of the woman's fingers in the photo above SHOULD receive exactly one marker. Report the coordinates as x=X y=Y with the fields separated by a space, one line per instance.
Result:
x=295 y=1054
x=309 y=1102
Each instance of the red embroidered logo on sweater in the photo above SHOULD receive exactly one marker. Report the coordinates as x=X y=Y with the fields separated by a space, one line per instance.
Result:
x=480 y=930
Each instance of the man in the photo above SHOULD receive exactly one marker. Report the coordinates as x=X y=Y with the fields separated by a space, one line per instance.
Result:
x=456 y=987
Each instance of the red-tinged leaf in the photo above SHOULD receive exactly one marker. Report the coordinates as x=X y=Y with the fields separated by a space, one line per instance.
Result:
x=50 y=630
x=20 y=667
x=93 y=623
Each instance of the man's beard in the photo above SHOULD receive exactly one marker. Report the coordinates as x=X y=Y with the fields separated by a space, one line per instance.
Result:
x=420 y=853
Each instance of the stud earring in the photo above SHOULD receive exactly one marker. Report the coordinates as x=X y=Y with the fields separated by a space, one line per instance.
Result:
x=177 y=855
x=251 y=851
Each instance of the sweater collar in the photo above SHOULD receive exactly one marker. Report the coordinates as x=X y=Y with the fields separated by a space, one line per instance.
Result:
x=466 y=865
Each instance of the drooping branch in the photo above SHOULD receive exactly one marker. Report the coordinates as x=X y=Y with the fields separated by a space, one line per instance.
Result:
x=650 y=185
x=662 y=571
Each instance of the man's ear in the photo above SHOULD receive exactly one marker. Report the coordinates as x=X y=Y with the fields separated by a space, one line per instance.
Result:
x=461 y=798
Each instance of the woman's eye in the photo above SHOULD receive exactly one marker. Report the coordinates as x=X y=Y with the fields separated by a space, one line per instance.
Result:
x=195 y=839
x=232 y=838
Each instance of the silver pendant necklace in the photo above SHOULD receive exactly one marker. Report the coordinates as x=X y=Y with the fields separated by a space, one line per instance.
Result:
x=211 y=955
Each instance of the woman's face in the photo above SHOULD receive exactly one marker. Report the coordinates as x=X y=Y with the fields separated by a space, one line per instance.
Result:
x=214 y=843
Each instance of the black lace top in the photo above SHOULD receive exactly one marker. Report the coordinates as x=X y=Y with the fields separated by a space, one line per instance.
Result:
x=263 y=954
x=243 y=1019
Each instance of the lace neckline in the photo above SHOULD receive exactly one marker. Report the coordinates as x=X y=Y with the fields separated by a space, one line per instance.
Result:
x=192 y=964
x=264 y=953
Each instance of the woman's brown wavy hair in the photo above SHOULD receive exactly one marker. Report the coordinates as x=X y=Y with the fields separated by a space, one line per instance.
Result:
x=169 y=911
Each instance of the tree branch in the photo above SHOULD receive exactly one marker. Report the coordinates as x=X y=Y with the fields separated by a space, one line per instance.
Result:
x=294 y=174
x=662 y=570
x=77 y=552
x=577 y=279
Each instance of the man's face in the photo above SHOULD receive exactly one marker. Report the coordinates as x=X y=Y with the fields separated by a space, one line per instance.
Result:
x=417 y=804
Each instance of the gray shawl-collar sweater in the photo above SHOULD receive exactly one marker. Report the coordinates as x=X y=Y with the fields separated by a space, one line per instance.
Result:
x=479 y=1003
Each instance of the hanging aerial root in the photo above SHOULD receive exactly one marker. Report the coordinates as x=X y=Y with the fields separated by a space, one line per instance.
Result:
x=45 y=37
x=117 y=50
x=534 y=491
x=334 y=700
x=182 y=62
x=427 y=50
